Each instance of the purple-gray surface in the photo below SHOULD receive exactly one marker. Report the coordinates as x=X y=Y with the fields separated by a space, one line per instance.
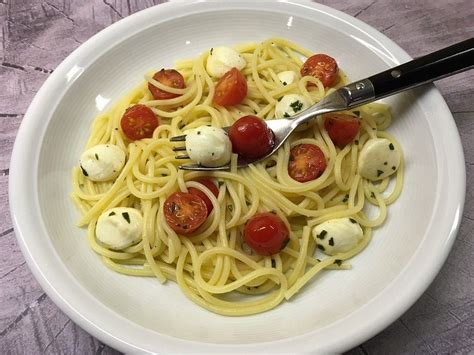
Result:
x=38 y=35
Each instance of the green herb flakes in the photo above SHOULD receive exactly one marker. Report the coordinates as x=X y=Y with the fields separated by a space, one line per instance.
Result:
x=372 y=195
x=96 y=156
x=111 y=214
x=391 y=146
x=338 y=262
x=296 y=106
x=320 y=247
x=284 y=83
x=212 y=49
x=379 y=172
x=345 y=199
x=126 y=216
x=331 y=241
x=352 y=220
x=286 y=115
x=84 y=171
x=322 y=234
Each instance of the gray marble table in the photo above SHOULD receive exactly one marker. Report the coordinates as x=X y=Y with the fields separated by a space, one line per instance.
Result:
x=37 y=35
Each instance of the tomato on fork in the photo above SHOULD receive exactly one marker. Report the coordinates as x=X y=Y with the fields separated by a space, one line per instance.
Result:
x=251 y=138
x=322 y=67
x=184 y=212
x=266 y=234
x=168 y=77
x=307 y=162
x=212 y=187
x=138 y=122
x=231 y=89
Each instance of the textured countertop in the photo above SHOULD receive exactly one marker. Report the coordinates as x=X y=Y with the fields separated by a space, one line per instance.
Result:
x=38 y=35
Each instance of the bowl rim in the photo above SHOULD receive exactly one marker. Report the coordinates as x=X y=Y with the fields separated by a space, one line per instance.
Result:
x=97 y=319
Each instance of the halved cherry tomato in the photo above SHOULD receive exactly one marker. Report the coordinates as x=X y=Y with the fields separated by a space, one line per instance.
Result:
x=168 y=77
x=138 y=122
x=266 y=234
x=341 y=128
x=320 y=66
x=307 y=162
x=231 y=89
x=185 y=212
x=211 y=186
x=251 y=138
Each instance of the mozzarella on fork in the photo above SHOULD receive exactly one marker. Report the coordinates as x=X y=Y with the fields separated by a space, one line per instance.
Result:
x=378 y=159
x=209 y=146
x=119 y=227
x=102 y=162
x=223 y=59
x=338 y=235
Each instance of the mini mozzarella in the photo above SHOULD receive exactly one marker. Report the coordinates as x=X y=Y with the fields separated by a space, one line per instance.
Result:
x=378 y=159
x=338 y=235
x=290 y=105
x=102 y=162
x=119 y=227
x=223 y=59
x=209 y=146
x=287 y=77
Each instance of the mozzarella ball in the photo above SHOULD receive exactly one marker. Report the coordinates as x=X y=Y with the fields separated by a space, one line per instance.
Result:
x=102 y=162
x=223 y=59
x=119 y=227
x=287 y=77
x=338 y=235
x=209 y=146
x=290 y=105
x=378 y=159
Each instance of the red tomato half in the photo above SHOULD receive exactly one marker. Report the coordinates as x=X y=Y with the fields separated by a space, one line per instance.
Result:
x=307 y=162
x=185 y=212
x=251 y=138
x=321 y=66
x=266 y=234
x=341 y=128
x=138 y=122
x=168 y=77
x=231 y=89
x=211 y=186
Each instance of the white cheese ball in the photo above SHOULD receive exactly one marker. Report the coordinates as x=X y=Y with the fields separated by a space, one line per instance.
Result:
x=209 y=146
x=378 y=159
x=223 y=59
x=290 y=105
x=102 y=162
x=119 y=227
x=287 y=77
x=338 y=235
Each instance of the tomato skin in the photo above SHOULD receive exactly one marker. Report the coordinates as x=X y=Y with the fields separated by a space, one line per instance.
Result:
x=231 y=89
x=321 y=66
x=139 y=122
x=307 y=162
x=251 y=138
x=184 y=212
x=266 y=234
x=341 y=128
x=168 y=77
x=211 y=186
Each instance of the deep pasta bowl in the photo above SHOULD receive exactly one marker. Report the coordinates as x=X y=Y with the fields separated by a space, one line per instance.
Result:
x=335 y=311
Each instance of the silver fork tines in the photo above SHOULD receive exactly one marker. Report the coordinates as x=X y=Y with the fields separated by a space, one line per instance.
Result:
x=181 y=138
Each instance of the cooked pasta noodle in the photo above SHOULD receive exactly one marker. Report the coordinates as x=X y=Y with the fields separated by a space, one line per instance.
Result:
x=213 y=263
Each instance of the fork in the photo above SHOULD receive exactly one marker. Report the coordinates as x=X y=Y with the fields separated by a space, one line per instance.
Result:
x=437 y=65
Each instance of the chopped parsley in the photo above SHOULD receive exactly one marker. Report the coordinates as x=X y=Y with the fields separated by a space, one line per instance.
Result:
x=279 y=99
x=345 y=199
x=84 y=171
x=394 y=168
x=320 y=247
x=391 y=146
x=220 y=183
x=96 y=156
x=126 y=216
x=331 y=241
x=212 y=49
x=111 y=214
x=286 y=115
x=372 y=194
x=198 y=132
x=322 y=234
x=338 y=262
x=352 y=220
x=385 y=163
x=284 y=83
x=296 y=106
x=379 y=172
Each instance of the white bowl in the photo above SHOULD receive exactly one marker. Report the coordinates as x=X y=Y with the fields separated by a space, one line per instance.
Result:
x=337 y=310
